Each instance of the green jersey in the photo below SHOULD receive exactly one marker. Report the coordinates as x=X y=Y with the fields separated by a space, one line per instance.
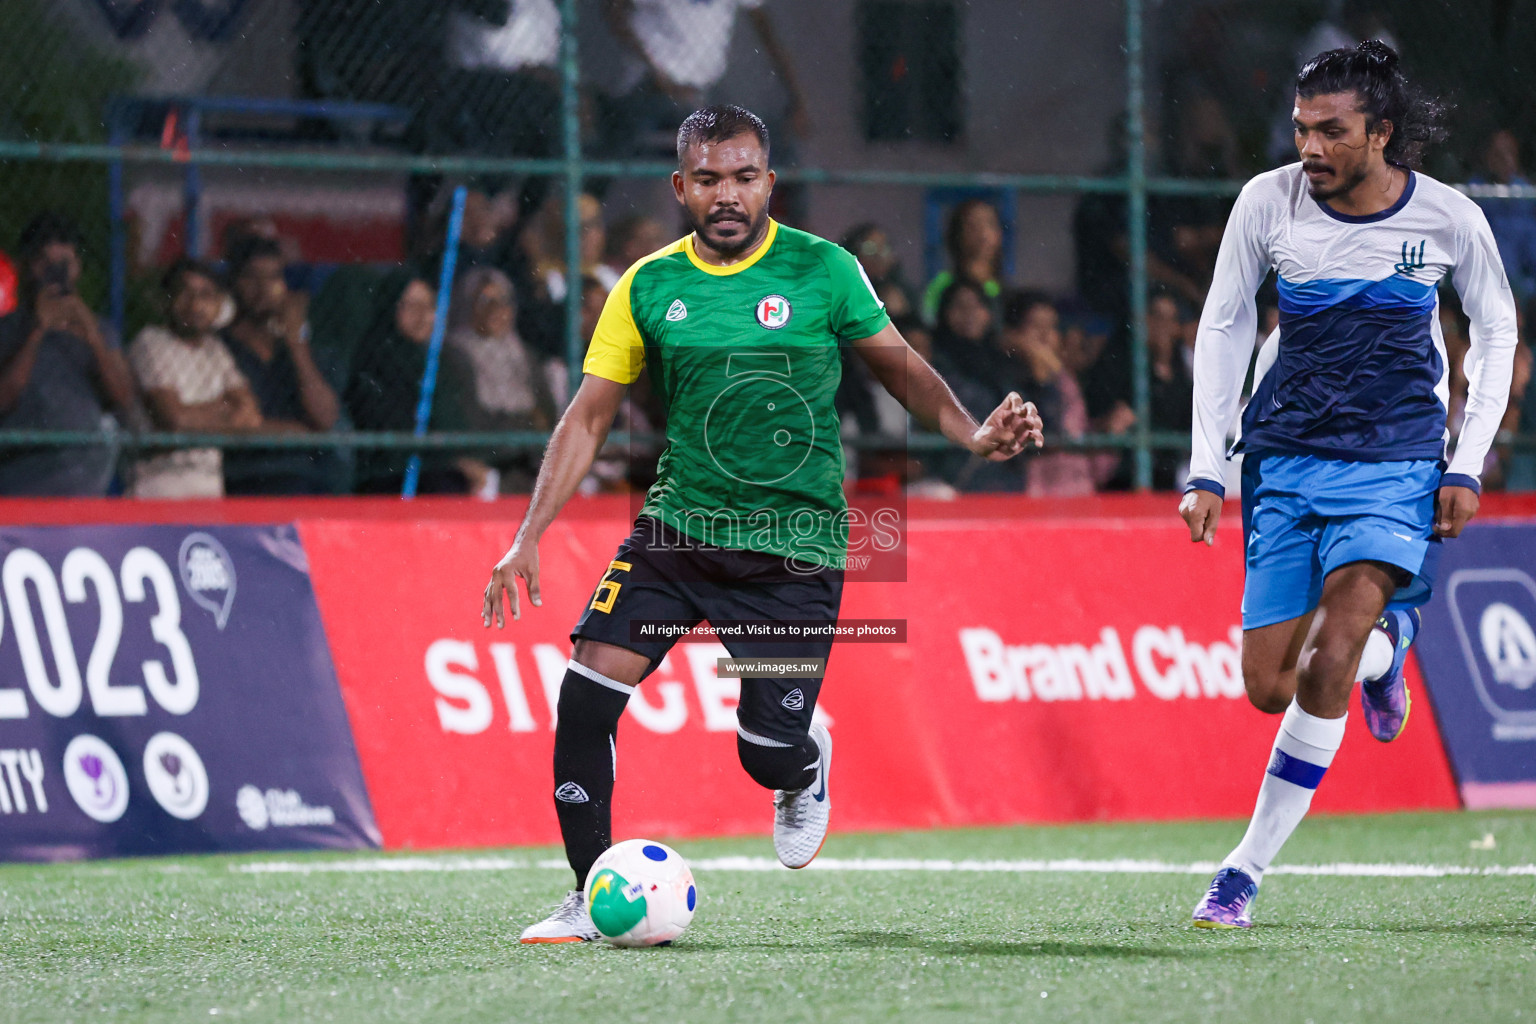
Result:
x=747 y=360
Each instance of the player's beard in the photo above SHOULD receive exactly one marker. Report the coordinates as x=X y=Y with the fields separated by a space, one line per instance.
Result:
x=757 y=227
x=1356 y=177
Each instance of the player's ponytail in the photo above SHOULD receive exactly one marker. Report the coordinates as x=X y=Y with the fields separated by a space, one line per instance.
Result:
x=1380 y=54
x=1371 y=71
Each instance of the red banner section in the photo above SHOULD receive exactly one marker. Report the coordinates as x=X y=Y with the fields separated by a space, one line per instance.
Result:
x=1056 y=669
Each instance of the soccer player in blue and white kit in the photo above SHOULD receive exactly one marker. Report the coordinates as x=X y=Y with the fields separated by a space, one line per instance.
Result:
x=1346 y=492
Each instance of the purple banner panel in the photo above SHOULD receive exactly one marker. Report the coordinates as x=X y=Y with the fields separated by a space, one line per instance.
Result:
x=1478 y=655
x=169 y=689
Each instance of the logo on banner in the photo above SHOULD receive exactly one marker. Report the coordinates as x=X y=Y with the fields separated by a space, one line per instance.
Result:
x=208 y=574
x=177 y=779
x=1493 y=611
x=252 y=808
x=95 y=777
x=278 y=808
x=1509 y=644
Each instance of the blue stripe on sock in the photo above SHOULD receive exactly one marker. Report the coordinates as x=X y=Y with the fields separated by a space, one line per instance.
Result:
x=1295 y=771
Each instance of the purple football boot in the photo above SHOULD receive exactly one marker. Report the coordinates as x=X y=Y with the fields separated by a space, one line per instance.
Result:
x=1226 y=902
x=1385 y=701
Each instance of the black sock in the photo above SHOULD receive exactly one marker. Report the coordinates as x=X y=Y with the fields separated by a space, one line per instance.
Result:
x=779 y=767
x=585 y=750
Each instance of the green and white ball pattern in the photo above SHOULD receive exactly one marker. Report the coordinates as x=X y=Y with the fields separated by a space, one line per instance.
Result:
x=641 y=893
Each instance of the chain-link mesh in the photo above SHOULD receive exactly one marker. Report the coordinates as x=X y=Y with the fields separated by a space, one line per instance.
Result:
x=305 y=153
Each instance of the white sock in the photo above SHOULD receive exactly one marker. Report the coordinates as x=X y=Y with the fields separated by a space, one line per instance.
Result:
x=1303 y=750
x=1376 y=659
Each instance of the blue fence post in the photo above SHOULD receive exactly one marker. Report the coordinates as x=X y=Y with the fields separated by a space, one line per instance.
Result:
x=192 y=186
x=1136 y=203
x=439 y=328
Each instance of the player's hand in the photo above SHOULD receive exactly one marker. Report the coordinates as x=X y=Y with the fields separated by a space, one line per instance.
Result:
x=1202 y=511
x=522 y=561
x=1454 y=509
x=1012 y=425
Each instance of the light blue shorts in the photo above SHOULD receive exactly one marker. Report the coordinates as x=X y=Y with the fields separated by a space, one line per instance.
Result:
x=1304 y=517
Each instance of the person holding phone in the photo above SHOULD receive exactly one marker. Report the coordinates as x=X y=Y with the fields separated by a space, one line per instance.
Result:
x=58 y=371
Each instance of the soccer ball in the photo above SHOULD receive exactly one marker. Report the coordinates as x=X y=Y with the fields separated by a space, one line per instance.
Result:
x=640 y=893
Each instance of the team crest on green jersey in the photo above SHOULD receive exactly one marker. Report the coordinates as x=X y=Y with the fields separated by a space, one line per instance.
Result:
x=773 y=311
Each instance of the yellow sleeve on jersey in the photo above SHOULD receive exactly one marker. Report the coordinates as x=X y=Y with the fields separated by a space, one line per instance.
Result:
x=617 y=351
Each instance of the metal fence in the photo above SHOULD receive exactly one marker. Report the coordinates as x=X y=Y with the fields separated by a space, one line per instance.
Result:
x=130 y=114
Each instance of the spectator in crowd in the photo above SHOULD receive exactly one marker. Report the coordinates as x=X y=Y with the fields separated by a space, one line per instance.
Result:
x=631 y=465
x=862 y=403
x=269 y=341
x=504 y=228
x=676 y=52
x=492 y=381
x=240 y=230
x=594 y=295
x=1032 y=333
x=973 y=241
x=551 y=271
x=191 y=384
x=872 y=246
x=630 y=240
x=487 y=234
x=387 y=370
x=1172 y=387
x=1208 y=149
x=1171 y=392
x=1513 y=220
x=968 y=354
x=59 y=370
x=1100 y=229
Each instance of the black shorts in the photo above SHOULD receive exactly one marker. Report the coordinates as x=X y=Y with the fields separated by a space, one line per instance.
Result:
x=659 y=574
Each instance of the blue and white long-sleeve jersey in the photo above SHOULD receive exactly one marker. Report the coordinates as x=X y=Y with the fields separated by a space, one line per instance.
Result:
x=1357 y=369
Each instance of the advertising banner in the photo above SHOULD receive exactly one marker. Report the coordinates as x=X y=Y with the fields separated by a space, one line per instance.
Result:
x=1479 y=652
x=1051 y=670
x=168 y=689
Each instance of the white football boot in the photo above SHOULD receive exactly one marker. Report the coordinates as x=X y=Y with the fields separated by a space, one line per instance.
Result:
x=570 y=922
x=800 y=816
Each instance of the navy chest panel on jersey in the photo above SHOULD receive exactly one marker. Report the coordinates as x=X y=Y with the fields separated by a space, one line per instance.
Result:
x=1357 y=365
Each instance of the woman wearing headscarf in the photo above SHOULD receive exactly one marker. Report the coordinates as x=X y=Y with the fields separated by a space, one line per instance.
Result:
x=968 y=354
x=491 y=380
x=385 y=386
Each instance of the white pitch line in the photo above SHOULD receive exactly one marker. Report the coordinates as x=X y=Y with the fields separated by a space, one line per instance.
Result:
x=1018 y=867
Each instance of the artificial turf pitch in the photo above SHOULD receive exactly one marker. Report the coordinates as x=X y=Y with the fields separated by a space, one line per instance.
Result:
x=211 y=939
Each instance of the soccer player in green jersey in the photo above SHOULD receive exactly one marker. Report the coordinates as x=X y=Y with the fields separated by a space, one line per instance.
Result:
x=740 y=323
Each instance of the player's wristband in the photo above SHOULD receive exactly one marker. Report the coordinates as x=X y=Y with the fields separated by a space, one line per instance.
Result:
x=1201 y=484
x=1462 y=480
